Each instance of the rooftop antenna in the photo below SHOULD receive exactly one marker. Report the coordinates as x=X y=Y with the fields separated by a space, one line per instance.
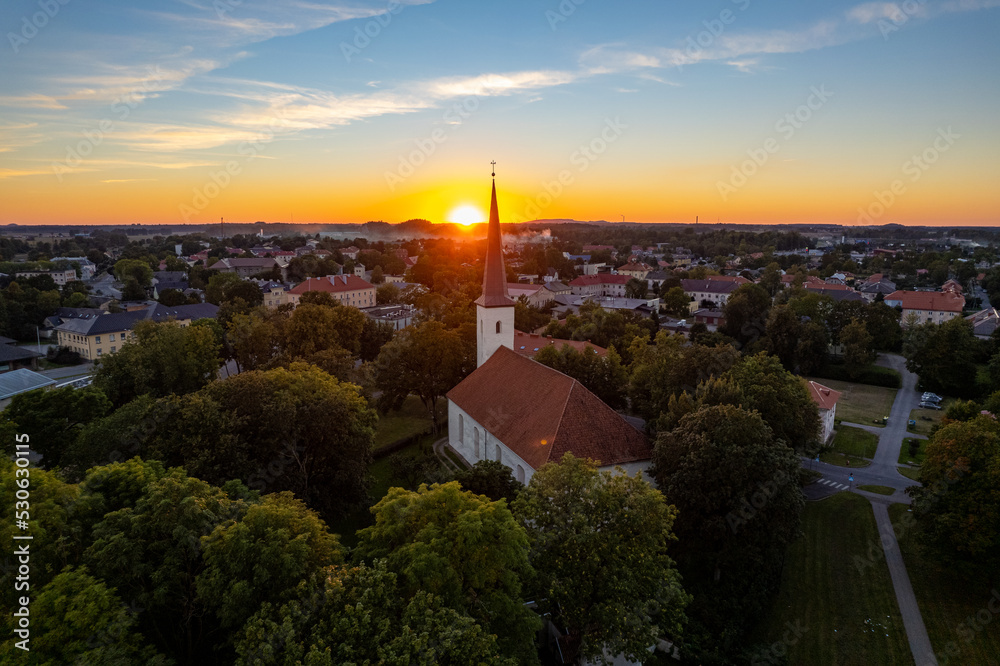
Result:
x=222 y=222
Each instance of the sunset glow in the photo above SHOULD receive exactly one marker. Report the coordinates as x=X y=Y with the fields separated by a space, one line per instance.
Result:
x=170 y=112
x=466 y=215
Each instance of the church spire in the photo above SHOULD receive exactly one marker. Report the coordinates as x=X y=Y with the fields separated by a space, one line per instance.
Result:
x=495 y=278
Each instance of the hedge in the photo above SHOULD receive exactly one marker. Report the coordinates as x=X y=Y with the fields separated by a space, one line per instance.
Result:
x=874 y=375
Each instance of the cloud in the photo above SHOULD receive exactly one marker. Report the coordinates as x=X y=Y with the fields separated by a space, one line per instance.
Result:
x=31 y=101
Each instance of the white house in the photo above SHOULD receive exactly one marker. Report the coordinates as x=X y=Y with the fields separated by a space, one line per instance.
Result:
x=826 y=399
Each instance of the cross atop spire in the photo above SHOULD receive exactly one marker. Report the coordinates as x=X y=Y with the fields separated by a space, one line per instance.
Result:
x=495 y=293
x=494 y=163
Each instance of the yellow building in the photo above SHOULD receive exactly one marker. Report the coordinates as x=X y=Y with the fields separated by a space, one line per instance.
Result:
x=95 y=333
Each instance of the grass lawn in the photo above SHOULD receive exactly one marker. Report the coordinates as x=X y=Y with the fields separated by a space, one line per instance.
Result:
x=926 y=419
x=852 y=618
x=881 y=490
x=912 y=473
x=947 y=601
x=861 y=403
x=411 y=419
x=382 y=480
x=854 y=442
x=904 y=452
x=841 y=460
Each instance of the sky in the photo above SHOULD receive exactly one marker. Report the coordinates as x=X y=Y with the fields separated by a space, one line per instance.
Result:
x=734 y=111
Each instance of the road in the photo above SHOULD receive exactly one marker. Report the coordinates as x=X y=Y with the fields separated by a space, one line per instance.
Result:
x=883 y=472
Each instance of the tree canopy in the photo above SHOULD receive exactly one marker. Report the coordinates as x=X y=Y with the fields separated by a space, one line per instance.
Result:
x=599 y=546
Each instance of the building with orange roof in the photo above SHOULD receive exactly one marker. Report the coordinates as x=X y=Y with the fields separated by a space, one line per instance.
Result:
x=926 y=307
x=347 y=289
x=826 y=400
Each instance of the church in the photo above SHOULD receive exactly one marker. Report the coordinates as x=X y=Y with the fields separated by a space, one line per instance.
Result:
x=524 y=414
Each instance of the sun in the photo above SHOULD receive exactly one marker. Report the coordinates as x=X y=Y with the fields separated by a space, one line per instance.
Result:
x=466 y=215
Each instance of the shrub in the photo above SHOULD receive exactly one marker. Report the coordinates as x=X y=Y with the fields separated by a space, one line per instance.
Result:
x=873 y=374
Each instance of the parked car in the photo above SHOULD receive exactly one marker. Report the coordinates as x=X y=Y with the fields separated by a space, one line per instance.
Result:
x=930 y=405
x=931 y=397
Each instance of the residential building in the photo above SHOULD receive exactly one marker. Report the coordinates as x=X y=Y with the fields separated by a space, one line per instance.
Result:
x=87 y=267
x=874 y=285
x=602 y=284
x=60 y=275
x=984 y=323
x=13 y=357
x=714 y=290
x=926 y=307
x=350 y=252
x=826 y=400
x=347 y=289
x=275 y=293
x=95 y=335
x=635 y=269
x=245 y=268
x=529 y=344
x=400 y=316
x=837 y=292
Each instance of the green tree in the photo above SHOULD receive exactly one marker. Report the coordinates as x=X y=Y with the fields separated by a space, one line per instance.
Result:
x=780 y=398
x=136 y=269
x=435 y=540
x=77 y=619
x=133 y=291
x=387 y=294
x=599 y=547
x=811 y=350
x=218 y=286
x=944 y=356
x=490 y=478
x=784 y=331
x=736 y=489
x=296 y=429
x=636 y=288
x=605 y=376
x=770 y=279
x=746 y=312
x=676 y=302
x=254 y=340
x=858 y=344
x=152 y=551
x=958 y=503
x=161 y=358
x=360 y=616
x=54 y=418
x=374 y=335
x=427 y=360
x=262 y=557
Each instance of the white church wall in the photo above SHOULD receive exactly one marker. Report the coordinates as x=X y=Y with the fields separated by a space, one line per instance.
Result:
x=464 y=433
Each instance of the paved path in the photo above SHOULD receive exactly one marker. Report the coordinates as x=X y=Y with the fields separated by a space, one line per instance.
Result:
x=69 y=371
x=439 y=450
x=913 y=623
x=883 y=472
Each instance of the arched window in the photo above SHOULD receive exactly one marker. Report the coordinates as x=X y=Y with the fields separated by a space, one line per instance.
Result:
x=475 y=441
x=461 y=428
x=497 y=451
x=498 y=327
x=520 y=474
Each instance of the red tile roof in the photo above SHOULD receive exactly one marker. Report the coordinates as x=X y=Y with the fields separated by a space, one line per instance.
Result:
x=529 y=344
x=824 y=397
x=829 y=286
x=332 y=284
x=540 y=413
x=934 y=301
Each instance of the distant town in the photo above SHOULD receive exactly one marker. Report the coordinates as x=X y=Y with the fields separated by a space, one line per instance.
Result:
x=743 y=421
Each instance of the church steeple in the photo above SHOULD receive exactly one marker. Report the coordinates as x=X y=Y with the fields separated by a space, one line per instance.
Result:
x=495 y=293
x=494 y=309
